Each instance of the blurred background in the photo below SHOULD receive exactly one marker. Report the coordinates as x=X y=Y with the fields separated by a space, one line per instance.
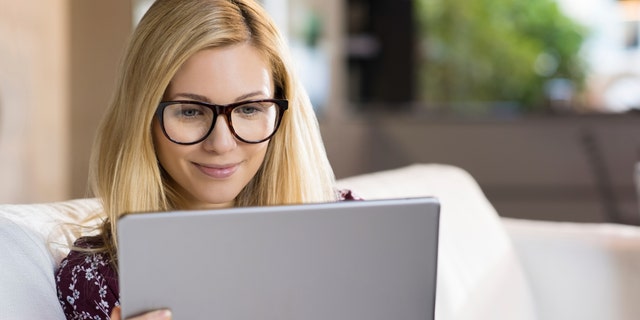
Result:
x=537 y=99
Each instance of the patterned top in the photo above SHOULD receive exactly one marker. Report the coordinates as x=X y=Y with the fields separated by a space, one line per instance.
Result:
x=87 y=283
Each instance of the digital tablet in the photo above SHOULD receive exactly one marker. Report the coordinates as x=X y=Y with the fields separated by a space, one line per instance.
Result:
x=351 y=260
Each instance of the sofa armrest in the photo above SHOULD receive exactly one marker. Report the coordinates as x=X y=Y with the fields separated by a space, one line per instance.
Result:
x=579 y=270
x=479 y=275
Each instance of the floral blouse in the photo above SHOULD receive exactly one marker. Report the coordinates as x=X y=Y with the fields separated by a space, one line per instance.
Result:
x=87 y=283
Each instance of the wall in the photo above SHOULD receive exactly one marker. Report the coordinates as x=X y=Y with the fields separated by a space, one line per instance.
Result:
x=99 y=32
x=34 y=101
x=58 y=61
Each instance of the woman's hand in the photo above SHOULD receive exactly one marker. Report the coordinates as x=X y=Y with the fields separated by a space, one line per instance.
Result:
x=163 y=314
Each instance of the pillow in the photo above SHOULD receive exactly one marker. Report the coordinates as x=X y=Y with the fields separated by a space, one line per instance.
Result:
x=55 y=223
x=28 y=287
x=33 y=240
x=479 y=275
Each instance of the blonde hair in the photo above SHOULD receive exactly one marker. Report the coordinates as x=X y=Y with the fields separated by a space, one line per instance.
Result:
x=125 y=174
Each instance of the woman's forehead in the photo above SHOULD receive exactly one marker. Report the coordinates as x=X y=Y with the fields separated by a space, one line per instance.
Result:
x=224 y=73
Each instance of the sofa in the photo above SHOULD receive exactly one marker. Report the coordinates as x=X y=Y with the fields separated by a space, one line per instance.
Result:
x=489 y=267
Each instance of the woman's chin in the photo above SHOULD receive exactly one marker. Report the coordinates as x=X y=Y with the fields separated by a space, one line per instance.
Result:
x=213 y=203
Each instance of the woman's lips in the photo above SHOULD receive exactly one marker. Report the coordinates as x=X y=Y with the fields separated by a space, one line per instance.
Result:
x=217 y=171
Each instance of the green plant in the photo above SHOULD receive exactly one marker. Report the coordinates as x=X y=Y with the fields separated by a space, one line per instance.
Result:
x=477 y=53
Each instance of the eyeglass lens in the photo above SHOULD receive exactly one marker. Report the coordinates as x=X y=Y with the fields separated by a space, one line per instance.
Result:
x=190 y=122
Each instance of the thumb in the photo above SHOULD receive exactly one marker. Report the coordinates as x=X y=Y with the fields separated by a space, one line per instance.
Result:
x=116 y=314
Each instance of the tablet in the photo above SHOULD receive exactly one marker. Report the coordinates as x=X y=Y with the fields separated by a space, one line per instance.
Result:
x=345 y=260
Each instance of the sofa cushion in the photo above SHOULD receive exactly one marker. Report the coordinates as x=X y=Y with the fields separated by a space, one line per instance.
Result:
x=477 y=264
x=580 y=270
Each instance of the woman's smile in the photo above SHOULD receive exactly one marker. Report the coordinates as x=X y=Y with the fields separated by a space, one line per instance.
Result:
x=223 y=171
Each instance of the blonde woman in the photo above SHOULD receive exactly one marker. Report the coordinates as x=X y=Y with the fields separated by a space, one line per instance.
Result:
x=206 y=114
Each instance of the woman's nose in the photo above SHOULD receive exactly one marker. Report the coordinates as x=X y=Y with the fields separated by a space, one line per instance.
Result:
x=220 y=140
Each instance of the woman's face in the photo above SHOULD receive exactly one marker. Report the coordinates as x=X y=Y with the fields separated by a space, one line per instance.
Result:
x=213 y=172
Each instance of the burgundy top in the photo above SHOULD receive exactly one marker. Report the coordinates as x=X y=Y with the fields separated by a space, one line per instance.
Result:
x=87 y=283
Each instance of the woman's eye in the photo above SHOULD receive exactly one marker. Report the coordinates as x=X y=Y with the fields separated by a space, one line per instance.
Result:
x=187 y=111
x=248 y=110
x=190 y=112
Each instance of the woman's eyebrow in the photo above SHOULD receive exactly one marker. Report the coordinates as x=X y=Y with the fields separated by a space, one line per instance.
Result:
x=198 y=97
x=250 y=95
x=193 y=96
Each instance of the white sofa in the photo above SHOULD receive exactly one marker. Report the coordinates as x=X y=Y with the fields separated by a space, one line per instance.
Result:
x=488 y=267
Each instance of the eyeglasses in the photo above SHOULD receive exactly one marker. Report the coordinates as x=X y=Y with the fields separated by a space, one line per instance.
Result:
x=190 y=122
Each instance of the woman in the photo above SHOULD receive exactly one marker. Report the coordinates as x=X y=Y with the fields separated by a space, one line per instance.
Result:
x=206 y=114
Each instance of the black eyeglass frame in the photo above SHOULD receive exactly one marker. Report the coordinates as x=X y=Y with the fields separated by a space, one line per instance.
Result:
x=217 y=109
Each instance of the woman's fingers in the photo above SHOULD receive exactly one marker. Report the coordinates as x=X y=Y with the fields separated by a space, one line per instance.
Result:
x=116 y=313
x=163 y=314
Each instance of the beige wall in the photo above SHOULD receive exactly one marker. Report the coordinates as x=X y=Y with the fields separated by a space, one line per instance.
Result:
x=58 y=61
x=98 y=32
x=34 y=124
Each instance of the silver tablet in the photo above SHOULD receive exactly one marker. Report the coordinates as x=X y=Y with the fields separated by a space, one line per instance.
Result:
x=345 y=260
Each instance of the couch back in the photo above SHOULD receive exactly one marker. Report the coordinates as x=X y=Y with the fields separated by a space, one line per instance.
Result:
x=477 y=265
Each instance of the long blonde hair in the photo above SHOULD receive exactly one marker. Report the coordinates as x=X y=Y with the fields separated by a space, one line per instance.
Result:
x=125 y=174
